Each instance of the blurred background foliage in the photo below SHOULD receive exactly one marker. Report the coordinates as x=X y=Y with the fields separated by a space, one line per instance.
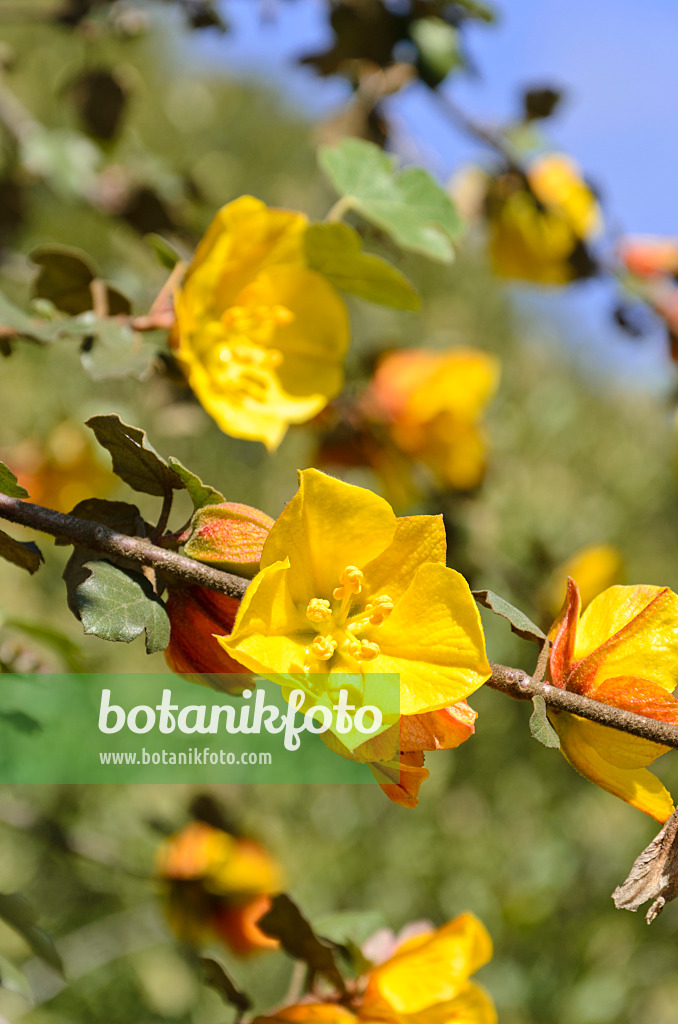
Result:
x=504 y=828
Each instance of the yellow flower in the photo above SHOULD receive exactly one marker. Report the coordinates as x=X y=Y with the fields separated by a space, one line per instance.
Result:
x=261 y=337
x=537 y=234
x=424 y=981
x=433 y=402
x=623 y=651
x=217 y=887
x=593 y=568
x=346 y=589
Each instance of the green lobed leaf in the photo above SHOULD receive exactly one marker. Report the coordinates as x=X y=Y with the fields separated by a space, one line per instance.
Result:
x=409 y=204
x=25 y=554
x=134 y=460
x=19 y=915
x=285 y=922
x=119 y=604
x=41 y=331
x=335 y=251
x=540 y=727
x=519 y=621
x=118 y=515
x=199 y=493
x=65 y=278
x=218 y=979
x=9 y=484
x=111 y=349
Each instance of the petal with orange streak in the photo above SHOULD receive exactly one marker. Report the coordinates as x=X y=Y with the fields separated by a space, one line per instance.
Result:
x=405 y=778
x=437 y=730
x=563 y=633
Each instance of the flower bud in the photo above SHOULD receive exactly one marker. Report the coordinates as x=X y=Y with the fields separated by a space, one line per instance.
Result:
x=229 y=536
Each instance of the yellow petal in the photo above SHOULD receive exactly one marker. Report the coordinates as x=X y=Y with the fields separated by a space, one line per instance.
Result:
x=250 y=870
x=472 y=1006
x=327 y=526
x=434 y=640
x=462 y=382
x=417 y=539
x=557 y=182
x=433 y=968
x=628 y=631
x=268 y=632
x=253 y=420
x=614 y=762
x=245 y=237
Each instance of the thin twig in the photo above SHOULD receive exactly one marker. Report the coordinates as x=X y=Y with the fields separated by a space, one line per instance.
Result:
x=491 y=137
x=97 y=537
x=519 y=685
x=165 y=513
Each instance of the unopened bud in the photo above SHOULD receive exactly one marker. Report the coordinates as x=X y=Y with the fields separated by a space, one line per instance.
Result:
x=229 y=536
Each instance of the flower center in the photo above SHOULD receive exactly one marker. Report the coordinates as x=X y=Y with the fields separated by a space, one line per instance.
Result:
x=338 y=623
x=240 y=358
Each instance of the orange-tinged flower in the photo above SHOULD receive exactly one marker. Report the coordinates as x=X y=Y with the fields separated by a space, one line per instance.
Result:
x=424 y=981
x=623 y=651
x=217 y=887
x=537 y=233
x=195 y=615
x=649 y=255
x=261 y=337
x=348 y=590
x=433 y=403
x=594 y=568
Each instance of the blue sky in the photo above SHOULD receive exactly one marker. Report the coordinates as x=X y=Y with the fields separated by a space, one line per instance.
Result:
x=618 y=63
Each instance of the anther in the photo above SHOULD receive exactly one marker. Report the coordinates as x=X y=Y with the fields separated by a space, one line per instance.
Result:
x=323 y=647
x=368 y=651
x=352 y=647
x=351 y=581
x=379 y=610
x=318 y=610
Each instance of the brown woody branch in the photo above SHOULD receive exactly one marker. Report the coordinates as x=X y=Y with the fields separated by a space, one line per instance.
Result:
x=519 y=685
x=511 y=681
x=97 y=537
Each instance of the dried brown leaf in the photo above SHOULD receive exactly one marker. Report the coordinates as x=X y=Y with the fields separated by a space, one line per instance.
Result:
x=654 y=875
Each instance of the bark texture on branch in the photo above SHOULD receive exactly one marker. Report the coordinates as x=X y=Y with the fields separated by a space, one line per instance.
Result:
x=98 y=537
x=519 y=685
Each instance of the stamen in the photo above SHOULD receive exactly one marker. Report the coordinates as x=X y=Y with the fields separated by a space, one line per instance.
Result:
x=351 y=581
x=369 y=651
x=323 y=647
x=379 y=610
x=352 y=647
x=318 y=610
